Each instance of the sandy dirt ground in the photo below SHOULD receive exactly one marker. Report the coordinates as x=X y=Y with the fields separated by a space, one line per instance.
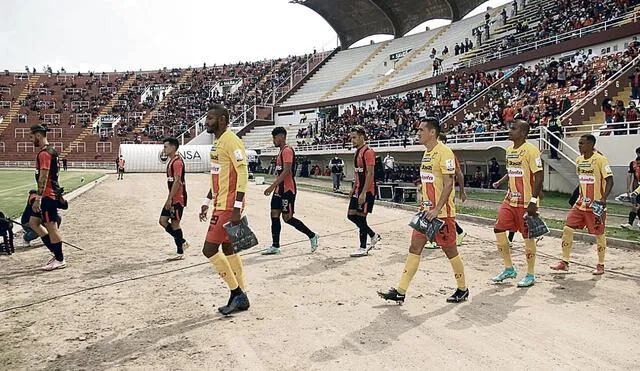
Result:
x=119 y=304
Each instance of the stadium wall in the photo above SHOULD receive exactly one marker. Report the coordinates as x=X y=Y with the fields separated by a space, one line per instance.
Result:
x=615 y=36
x=148 y=158
x=618 y=149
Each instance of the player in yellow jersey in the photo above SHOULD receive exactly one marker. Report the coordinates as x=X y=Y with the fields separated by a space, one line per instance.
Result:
x=437 y=172
x=525 y=175
x=229 y=178
x=596 y=182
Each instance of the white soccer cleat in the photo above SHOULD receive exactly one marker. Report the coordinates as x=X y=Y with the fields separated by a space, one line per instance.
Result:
x=626 y=226
x=54 y=264
x=175 y=257
x=374 y=240
x=358 y=253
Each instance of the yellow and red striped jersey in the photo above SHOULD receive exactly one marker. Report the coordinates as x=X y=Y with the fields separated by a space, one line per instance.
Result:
x=522 y=163
x=592 y=173
x=437 y=163
x=229 y=173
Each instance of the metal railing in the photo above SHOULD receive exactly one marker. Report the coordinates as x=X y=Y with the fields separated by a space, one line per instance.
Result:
x=486 y=56
x=475 y=98
x=594 y=92
x=494 y=136
x=545 y=143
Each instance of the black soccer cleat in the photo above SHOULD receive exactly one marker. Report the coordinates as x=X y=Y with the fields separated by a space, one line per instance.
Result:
x=458 y=296
x=241 y=307
x=393 y=295
x=237 y=303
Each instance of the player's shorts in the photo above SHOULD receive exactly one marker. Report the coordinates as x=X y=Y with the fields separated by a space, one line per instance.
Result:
x=49 y=207
x=365 y=208
x=121 y=170
x=446 y=236
x=284 y=202
x=512 y=219
x=579 y=219
x=216 y=232
x=175 y=213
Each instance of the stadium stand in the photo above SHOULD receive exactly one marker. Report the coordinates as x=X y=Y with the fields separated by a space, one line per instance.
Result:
x=91 y=114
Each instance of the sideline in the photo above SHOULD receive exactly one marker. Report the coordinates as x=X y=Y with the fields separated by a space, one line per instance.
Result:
x=578 y=236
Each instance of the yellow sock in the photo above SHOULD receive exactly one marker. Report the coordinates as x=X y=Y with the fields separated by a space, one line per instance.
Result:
x=458 y=269
x=503 y=247
x=410 y=269
x=223 y=267
x=601 y=242
x=530 y=251
x=567 y=242
x=236 y=266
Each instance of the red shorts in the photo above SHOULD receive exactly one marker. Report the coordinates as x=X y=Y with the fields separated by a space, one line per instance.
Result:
x=445 y=237
x=512 y=219
x=579 y=219
x=216 y=232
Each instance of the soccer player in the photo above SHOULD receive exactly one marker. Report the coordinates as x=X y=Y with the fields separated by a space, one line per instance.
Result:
x=362 y=195
x=524 y=171
x=437 y=173
x=177 y=200
x=284 y=194
x=633 y=179
x=45 y=205
x=460 y=233
x=596 y=182
x=229 y=178
x=121 y=163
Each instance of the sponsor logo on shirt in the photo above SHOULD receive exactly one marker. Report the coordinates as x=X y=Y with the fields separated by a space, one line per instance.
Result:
x=359 y=170
x=515 y=195
x=427 y=203
x=450 y=164
x=514 y=172
x=538 y=162
x=238 y=155
x=587 y=179
x=170 y=178
x=427 y=177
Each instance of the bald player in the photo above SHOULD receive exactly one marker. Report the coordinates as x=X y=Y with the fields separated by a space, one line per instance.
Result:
x=229 y=178
x=525 y=176
x=596 y=182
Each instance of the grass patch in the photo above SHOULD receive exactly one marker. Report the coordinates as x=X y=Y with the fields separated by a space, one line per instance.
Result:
x=551 y=199
x=620 y=233
x=15 y=185
x=492 y=213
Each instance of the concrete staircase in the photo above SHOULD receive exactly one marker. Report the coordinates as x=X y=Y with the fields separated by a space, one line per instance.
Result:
x=408 y=59
x=358 y=68
x=15 y=108
x=105 y=110
x=147 y=119
x=598 y=116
